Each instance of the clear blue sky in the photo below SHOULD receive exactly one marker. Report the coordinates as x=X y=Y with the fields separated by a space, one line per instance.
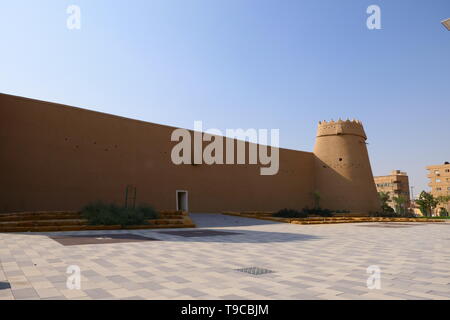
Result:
x=246 y=63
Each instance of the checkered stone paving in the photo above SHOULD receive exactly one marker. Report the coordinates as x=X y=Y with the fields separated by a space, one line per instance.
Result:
x=308 y=262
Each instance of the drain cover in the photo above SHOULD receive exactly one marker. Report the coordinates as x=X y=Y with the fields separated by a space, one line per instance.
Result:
x=255 y=271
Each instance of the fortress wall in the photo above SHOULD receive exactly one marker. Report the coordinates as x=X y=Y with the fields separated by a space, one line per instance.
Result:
x=55 y=157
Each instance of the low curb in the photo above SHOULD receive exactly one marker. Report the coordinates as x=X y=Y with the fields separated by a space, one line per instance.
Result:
x=327 y=220
x=73 y=221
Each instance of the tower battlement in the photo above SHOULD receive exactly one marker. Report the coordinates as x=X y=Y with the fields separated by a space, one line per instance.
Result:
x=341 y=127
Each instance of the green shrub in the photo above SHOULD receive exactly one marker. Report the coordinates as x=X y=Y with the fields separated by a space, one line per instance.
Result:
x=391 y=215
x=318 y=212
x=148 y=211
x=387 y=209
x=290 y=213
x=383 y=214
x=304 y=213
x=110 y=214
x=435 y=217
x=443 y=212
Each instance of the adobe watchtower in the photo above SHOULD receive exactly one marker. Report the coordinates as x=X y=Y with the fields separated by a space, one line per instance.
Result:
x=343 y=173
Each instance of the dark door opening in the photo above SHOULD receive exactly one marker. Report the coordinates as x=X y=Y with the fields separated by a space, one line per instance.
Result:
x=182 y=200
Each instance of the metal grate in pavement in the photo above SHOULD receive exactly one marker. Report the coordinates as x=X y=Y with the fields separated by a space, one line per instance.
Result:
x=255 y=271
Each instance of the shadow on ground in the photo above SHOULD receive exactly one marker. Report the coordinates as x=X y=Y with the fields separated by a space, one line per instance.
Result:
x=229 y=236
x=179 y=235
x=234 y=233
x=210 y=228
x=5 y=285
x=109 y=237
x=215 y=220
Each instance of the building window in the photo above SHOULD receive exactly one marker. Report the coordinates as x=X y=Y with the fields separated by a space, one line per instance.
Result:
x=438 y=189
x=438 y=180
x=447 y=170
x=436 y=172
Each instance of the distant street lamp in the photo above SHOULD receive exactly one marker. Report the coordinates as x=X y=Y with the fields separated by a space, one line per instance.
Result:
x=446 y=23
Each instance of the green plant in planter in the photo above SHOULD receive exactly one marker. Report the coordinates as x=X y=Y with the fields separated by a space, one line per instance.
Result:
x=100 y=213
x=317 y=196
x=290 y=213
x=427 y=202
x=384 y=198
x=318 y=211
x=443 y=212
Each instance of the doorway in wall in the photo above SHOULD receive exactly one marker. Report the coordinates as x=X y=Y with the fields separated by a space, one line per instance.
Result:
x=182 y=200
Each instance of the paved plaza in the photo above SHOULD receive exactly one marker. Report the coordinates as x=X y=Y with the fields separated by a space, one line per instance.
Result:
x=230 y=257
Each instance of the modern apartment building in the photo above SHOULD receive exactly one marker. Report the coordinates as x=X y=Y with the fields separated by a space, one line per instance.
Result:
x=396 y=184
x=439 y=176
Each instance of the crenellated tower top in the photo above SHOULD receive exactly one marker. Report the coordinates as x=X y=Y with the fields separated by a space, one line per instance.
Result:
x=341 y=127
